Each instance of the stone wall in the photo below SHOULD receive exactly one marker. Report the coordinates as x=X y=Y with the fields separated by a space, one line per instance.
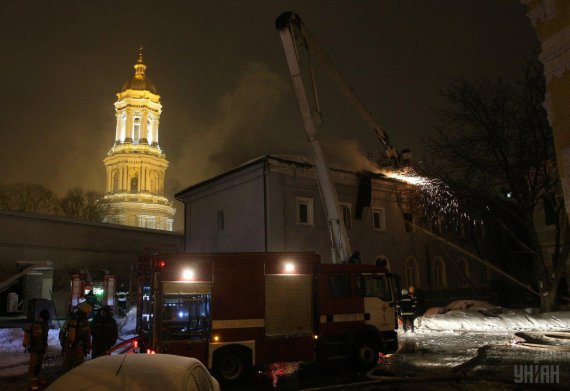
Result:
x=71 y=245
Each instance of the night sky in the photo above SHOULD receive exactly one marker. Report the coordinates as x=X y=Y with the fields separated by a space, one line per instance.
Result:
x=221 y=74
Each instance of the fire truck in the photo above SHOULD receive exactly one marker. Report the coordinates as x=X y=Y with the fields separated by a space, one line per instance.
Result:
x=234 y=311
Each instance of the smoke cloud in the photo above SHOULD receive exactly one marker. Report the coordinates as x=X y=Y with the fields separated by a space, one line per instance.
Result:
x=240 y=130
x=244 y=128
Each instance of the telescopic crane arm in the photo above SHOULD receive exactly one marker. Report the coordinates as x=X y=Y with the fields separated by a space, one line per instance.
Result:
x=292 y=22
x=293 y=33
x=340 y=243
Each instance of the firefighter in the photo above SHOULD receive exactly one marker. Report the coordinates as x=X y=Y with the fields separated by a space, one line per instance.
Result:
x=412 y=293
x=77 y=337
x=91 y=299
x=417 y=297
x=104 y=331
x=407 y=310
x=35 y=342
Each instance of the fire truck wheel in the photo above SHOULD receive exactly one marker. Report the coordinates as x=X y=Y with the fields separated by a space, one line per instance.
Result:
x=365 y=353
x=230 y=365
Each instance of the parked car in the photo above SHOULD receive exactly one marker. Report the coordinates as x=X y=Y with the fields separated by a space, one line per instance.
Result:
x=138 y=372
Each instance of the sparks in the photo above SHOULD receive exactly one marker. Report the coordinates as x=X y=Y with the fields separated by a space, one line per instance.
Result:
x=433 y=198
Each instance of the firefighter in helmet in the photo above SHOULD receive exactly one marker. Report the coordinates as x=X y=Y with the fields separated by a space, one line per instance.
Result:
x=36 y=342
x=407 y=310
x=77 y=337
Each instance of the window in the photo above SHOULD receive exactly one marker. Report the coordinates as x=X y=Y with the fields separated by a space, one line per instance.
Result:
x=346 y=212
x=374 y=285
x=134 y=184
x=221 y=221
x=151 y=222
x=412 y=272
x=186 y=316
x=304 y=211
x=379 y=219
x=463 y=279
x=136 y=129
x=339 y=285
x=439 y=273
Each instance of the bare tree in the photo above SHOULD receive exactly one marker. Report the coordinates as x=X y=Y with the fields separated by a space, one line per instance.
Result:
x=27 y=197
x=83 y=204
x=494 y=150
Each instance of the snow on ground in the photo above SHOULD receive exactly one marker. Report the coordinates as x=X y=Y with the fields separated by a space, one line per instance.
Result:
x=485 y=320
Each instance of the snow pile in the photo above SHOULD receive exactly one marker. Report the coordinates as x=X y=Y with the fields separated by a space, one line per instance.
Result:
x=11 y=339
x=488 y=320
x=479 y=305
x=470 y=305
x=128 y=324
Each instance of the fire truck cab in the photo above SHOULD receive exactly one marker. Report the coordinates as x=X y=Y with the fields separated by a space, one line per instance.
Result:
x=236 y=310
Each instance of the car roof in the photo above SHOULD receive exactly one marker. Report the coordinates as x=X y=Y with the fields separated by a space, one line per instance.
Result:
x=138 y=372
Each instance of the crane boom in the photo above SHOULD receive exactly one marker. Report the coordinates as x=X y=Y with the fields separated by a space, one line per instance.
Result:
x=339 y=237
x=290 y=21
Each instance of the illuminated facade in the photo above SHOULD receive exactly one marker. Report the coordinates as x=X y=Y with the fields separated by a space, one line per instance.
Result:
x=135 y=165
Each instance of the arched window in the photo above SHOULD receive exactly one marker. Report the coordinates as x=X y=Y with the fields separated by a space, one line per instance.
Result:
x=412 y=272
x=136 y=129
x=439 y=279
x=134 y=184
x=115 y=181
x=463 y=279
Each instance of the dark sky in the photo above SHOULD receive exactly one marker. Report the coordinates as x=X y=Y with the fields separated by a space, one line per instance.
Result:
x=220 y=70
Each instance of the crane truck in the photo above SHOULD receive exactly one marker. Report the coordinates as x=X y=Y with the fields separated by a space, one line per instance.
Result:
x=236 y=310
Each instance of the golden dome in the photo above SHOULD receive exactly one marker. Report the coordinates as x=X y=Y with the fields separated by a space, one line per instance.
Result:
x=140 y=81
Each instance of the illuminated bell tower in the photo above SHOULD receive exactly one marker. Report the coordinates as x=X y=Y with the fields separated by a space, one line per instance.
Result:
x=136 y=166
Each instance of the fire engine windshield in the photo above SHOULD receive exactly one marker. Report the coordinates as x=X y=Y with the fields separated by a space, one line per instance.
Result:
x=186 y=316
x=375 y=285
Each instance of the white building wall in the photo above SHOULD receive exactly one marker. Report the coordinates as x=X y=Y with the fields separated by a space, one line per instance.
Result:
x=241 y=200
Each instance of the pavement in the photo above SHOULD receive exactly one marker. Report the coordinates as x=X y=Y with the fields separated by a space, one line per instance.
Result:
x=426 y=361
